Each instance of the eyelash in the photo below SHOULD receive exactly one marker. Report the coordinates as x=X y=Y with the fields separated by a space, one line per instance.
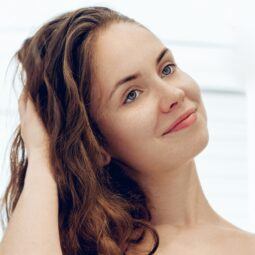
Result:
x=128 y=92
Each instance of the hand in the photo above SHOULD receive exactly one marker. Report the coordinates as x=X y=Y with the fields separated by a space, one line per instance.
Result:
x=33 y=131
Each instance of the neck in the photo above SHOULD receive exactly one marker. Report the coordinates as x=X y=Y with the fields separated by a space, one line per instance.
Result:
x=176 y=198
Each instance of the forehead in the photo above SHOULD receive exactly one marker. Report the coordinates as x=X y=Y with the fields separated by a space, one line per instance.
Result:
x=120 y=50
x=122 y=47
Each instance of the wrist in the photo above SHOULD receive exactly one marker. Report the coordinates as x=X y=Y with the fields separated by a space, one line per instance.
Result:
x=39 y=167
x=38 y=154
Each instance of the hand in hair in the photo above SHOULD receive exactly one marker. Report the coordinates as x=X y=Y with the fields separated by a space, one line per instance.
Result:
x=33 y=131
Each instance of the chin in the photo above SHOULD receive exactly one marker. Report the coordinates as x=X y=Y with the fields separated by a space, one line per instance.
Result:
x=202 y=140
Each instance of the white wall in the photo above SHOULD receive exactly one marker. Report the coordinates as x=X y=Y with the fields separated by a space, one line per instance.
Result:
x=205 y=39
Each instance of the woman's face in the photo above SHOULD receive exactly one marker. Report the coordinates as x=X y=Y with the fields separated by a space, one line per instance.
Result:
x=134 y=115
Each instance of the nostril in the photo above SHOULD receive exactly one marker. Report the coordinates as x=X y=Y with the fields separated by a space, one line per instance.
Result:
x=172 y=105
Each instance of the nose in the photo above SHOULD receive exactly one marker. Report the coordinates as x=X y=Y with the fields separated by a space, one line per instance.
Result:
x=170 y=96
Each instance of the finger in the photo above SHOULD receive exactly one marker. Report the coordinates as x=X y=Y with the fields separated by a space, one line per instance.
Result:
x=32 y=111
x=30 y=102
x=22 y=103
x=30 y=108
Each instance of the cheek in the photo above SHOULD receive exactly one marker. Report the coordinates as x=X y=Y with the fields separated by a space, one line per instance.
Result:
x=136 y=123
x=193 y=92
x=196 y=93
x=190 y=86
x=128 y=132
x=197 y=96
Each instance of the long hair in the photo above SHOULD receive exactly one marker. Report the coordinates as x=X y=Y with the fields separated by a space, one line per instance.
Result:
x=101 y=209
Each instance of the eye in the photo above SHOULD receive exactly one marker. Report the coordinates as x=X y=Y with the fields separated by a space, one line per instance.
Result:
x=130 y=95
x=168 y=69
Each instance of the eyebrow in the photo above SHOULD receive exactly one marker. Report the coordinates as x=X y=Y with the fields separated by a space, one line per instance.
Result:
x=136 y=75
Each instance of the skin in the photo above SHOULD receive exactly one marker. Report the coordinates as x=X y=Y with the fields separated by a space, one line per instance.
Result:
x=164 y=166
x=33 y=226
x=33 y=131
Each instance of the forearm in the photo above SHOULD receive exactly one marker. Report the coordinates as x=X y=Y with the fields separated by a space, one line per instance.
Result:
x=33 y=226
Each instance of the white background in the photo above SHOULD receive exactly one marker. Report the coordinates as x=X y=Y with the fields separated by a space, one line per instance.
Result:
x=213 y=41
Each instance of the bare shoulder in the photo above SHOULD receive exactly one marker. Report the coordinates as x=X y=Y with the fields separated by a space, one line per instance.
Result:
x=249 y=242
x=250 y=238
x=242 y=241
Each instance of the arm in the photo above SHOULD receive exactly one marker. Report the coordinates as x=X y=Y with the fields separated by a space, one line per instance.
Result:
x=33 y=226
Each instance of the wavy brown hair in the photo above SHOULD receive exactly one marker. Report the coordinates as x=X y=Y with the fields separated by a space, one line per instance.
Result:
x=101 y=209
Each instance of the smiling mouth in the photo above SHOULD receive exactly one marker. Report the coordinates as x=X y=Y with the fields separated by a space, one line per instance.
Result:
x=186 y=122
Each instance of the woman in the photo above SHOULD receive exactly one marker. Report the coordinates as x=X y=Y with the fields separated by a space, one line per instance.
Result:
x=107 y=169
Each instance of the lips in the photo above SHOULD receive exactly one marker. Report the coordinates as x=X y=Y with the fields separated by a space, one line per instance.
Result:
x=180 y=119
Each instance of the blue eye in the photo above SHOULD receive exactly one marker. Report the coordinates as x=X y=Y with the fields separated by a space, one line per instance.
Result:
x=131 y=95
x=169 y=68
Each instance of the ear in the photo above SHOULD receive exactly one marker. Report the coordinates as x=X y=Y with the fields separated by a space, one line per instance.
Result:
x=106 y=157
